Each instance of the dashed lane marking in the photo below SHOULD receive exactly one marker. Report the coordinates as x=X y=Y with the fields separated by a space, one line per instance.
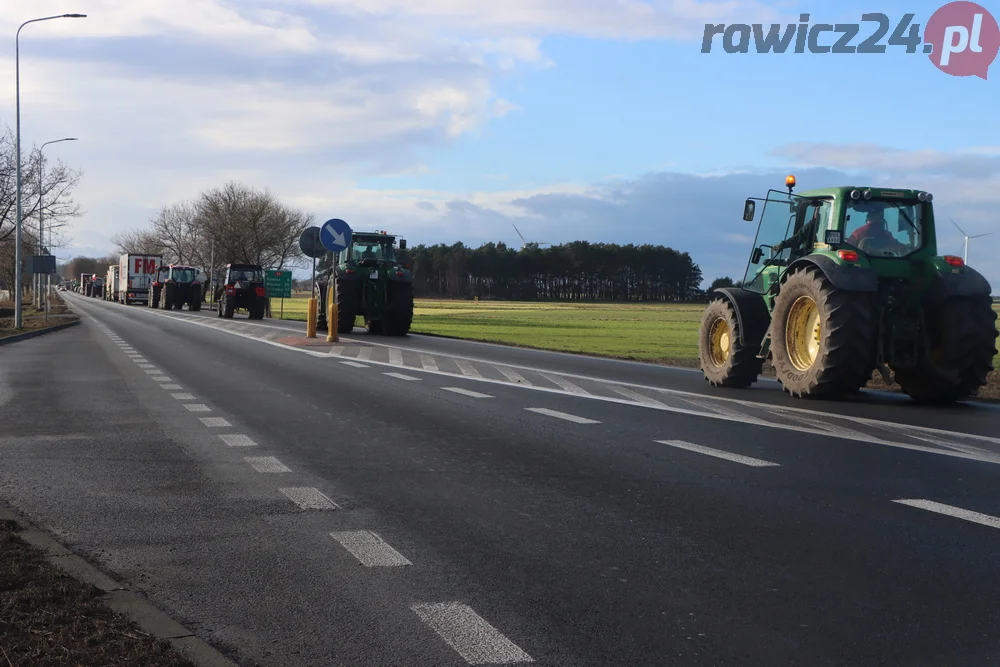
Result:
x=147 y=366
x=160 y=378
x=266 y=464
x=237 y=440
x=395 y=356
x=197 y=407
x=370 y=549
x=171 y=387
x=427 y=362
x=365 y=354
x=214 y=422
x=718 y=453
x=472 y=637
x=354 y=364
x=309 y=498
x=565 y=384
x=468 y=370
x=636 y=396
x=336 y=350
x=400 y=376
x=563 y=415
x=183 y=397
x=950 y=510
x=466 y=392
x=513 y=376
x=153 y=371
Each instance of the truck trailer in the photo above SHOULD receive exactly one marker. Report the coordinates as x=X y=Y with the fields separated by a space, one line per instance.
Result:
x=111 y=293
x=135 y=275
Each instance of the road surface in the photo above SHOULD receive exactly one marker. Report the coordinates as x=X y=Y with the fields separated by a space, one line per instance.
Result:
x=422 y=501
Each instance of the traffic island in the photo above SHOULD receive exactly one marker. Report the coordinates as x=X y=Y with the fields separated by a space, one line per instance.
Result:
x=34 y=322
x=57 y=609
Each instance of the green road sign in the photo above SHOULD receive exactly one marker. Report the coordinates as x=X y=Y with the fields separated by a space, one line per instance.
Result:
x=278 y=284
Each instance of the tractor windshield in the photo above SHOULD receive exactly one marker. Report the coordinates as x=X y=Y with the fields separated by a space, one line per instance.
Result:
x=183 y=275
x=884 y=228
x=379 y=250
x=247 y=273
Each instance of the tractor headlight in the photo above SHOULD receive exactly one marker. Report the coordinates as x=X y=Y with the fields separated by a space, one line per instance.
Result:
x=855 y=195
x=921 y=196
x=868 y=194
x=929 y=197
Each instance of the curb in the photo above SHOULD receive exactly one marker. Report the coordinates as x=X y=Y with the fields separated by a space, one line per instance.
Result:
x=117 y=596
x=40 y=332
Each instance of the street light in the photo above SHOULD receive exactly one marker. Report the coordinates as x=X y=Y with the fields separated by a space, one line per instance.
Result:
x=41 y=227
x=17 y=147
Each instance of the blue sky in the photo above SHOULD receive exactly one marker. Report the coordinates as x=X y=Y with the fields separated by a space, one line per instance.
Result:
x=574 y=119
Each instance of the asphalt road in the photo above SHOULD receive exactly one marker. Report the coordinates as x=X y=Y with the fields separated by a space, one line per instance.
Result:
x=432 y=502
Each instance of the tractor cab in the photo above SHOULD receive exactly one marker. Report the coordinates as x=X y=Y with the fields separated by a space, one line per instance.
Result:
x=370 y=249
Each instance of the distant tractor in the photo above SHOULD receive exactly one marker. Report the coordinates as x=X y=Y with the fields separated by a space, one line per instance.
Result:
x=371 y=283
x=175 y=286
x=844 y=281
x=242 y=289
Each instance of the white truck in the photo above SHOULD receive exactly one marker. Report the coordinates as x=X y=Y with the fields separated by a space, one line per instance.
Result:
x=135 y=275
x=112 y=281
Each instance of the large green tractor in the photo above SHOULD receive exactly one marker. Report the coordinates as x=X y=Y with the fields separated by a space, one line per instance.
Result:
x=371 y=283
x=844 y=281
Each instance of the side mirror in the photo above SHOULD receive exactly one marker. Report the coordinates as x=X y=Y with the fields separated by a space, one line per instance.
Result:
x=748 y=210
x=757 y=254
x=402 y=244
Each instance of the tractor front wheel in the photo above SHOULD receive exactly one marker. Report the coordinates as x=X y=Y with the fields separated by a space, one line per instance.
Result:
x=821 y=337
x=963 y=336
x=725 y=361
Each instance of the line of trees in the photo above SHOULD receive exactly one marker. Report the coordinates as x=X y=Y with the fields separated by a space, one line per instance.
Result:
x=577 y=271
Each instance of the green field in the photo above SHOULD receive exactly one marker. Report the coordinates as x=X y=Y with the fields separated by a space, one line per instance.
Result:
x=665 y=333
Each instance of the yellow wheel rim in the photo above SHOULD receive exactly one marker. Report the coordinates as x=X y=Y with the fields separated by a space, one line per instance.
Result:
x=803 y=333
x=719 y=341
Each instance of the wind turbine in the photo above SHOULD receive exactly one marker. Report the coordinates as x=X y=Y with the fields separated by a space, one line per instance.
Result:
x=967 y=237
x=524 y=243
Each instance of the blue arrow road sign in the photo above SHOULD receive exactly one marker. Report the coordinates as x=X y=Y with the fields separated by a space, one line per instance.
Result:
x=335 y=235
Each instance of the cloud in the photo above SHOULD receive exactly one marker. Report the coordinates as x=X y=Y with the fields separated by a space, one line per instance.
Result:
x=973 y=163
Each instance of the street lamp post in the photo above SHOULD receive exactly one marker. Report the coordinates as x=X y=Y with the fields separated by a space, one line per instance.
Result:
x=17 y=148
x=41 y=226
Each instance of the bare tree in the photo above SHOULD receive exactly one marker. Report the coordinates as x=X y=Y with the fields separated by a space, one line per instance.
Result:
x=174 y=229
x=247 y=225
x=137 y=242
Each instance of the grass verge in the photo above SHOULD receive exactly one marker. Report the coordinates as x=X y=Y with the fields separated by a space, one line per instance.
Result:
x=48 y=618
x=33 y=319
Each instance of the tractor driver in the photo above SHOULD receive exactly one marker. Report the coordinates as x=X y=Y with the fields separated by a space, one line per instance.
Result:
x=369 y=253
x=805 y=235
x=875 y=229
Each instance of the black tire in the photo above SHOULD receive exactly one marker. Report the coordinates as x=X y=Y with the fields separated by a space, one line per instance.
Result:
x=346 y=307
x=196 y=295
x=963 y=337
x=842 y=361
x=154 y=298
x=726 y=362
x=373 y=327
x=257 y=311
x=400 y=315
x=169 y=294
x=228 y=308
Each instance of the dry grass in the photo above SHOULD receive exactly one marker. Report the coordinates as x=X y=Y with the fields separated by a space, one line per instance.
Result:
x=33 y=319
x=48 y=618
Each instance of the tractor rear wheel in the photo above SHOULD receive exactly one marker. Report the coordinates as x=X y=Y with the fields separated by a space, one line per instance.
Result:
x=725 y=361
x=346 y=306
x=822 y=338
x=196 y=298
x=228 y=308
x=400 y=315
x=963 y=336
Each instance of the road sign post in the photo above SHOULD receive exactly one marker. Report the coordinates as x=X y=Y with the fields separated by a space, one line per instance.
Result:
x=335 y=235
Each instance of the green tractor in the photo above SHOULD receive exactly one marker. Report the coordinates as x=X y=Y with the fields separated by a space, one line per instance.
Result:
x=370 y=282
x=844 y=281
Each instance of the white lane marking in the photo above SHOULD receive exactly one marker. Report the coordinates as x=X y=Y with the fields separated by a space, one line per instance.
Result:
x=171 y=387
x=160 y=378
x=146 y=365
x=472 y=637
x=266 y=464
x=309 y=498
x=214 y=422
x=153 y=371
x=197 y=407
x=370 y=549
x=364 y=354
x=466 y=392
x=718 y=453
x=354 y=364
x=635 y=396
x=467 y=369
x=336 y=350
x=513 y=375
x=237 y=440
x=428 y=363
x=737 y=418
x=563 y=415
x=564 y=383
x=400 y=376
x=183 y=397
x=395 y=356
x=949 y=510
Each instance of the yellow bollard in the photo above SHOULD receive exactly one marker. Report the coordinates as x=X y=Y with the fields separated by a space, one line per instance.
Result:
x=313 y=315
x=331 y=323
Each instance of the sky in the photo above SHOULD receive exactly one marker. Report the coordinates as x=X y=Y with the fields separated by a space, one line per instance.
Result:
x=453 y=120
